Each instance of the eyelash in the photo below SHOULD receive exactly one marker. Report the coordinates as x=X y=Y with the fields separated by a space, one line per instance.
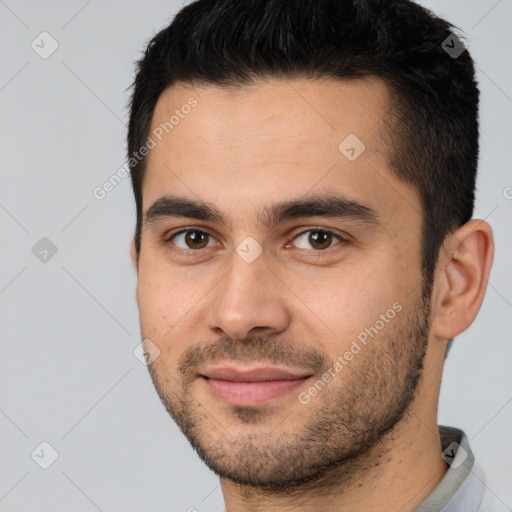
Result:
x=190 y=252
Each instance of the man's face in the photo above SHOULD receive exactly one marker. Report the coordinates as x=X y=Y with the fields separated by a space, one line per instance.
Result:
x=333 y=300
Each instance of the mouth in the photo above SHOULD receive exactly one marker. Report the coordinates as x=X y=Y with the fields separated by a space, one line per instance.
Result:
x=251 y=386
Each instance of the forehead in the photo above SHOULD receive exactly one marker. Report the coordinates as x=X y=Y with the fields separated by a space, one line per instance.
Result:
x=275 y=140
x=316 y=110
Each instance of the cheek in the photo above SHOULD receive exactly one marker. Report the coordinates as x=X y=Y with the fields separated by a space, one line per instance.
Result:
x=157 y=303
x=348 y=303
x=167 y=309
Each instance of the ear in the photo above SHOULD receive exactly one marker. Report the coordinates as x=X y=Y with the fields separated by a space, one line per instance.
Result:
x=461 y=278
x=133 y=255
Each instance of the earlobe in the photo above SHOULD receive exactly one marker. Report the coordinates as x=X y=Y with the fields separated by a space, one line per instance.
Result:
x=461 y=280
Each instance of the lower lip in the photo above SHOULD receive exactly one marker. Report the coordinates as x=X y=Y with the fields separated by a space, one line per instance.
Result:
x=251 y=393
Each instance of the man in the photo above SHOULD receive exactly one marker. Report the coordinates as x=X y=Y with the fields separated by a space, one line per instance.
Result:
x=304 y=179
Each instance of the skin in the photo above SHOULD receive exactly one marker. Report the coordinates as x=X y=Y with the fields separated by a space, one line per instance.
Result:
x=374 y=426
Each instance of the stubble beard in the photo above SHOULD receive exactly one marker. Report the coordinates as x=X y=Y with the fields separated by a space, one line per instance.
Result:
x=338 y=432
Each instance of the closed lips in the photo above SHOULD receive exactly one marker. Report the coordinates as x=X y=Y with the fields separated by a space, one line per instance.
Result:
x=254 y=375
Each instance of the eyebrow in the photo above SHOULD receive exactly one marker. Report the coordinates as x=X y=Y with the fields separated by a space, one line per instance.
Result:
x=321 y=205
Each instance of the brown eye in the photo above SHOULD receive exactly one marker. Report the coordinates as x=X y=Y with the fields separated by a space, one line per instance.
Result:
x=191 y=238
x=318 y=239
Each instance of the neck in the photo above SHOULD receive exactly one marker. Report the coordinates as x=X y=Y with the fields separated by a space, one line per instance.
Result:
x=398 y=473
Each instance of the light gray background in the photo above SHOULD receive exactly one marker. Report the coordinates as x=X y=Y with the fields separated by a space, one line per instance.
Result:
x=69 y=326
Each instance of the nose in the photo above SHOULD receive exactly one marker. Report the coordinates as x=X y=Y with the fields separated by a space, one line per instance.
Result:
x=249 y=300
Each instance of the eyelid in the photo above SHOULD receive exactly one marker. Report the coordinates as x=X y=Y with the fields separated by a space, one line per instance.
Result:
x=170 y=234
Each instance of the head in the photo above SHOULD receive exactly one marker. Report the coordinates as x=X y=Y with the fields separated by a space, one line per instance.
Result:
x=347 y=116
